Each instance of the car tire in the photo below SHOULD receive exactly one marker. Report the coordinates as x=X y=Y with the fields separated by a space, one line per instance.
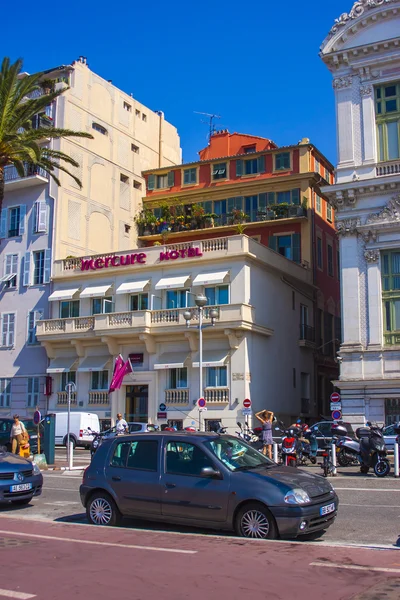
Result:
x=255 y=521
x=22 y=502
x=101 y=510
x=71 y=439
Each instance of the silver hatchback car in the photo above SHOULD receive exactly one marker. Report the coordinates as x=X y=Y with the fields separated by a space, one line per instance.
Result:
x=205 y=480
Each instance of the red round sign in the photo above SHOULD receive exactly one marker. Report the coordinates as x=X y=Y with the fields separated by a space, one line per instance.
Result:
x=201 y=402
x=335 y=397
x=247 y=403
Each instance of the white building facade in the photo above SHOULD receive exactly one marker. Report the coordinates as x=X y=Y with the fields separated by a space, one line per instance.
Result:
x=133 y=304
x=362 y=51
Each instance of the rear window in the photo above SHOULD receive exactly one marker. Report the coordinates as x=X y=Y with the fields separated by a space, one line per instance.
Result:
x=135 y=427
x=141 y=455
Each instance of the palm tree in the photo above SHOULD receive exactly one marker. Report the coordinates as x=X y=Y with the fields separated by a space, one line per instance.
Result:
x=19 y=140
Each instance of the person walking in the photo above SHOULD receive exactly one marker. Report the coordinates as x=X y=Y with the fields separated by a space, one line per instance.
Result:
x=266 y=417
x=17 y=434
x=121 y=426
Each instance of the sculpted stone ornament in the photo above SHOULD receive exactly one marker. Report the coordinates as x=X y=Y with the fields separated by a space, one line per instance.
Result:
x=371 y=256
x=366 y=90
x=391 y=212
x=358 y=10
x=347 y=226
x=342 y=82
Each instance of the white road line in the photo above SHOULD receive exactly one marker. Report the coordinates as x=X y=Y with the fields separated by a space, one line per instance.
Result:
x=18 y=595
x=371 y=505
x=354 y=567
x=62 y=476
x=45 y=489
x=365 y=489
x=93 y=543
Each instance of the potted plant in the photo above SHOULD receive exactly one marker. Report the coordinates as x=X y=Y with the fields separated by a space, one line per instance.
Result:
x=237 y=216
x=280 y=210
x=197 y=216
x=47 y=86
x=209 y=219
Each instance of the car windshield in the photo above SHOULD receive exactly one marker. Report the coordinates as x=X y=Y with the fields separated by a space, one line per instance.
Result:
x=237 y=455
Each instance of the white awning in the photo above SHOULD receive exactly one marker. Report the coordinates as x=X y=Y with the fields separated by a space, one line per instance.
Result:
x=132 y=287
x=172 y=283
x=93 y=363
x=8 y=277
x=210 y=278
x=63 y=294
x=62 y=364
x=97 y=291
x=211 y=358
x=172 y=360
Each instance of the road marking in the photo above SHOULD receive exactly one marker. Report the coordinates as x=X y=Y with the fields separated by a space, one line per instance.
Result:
x=371 y=505
x=18 y=595
x=365 y=489
x=45 y=489
x=93 y=543
x=354 y=567
x=62 y=476
x=62 y=503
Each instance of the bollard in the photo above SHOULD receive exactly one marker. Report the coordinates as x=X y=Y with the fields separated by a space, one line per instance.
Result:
x=71 y=456
x=333 y=453
x=396 y=458
x=275 y=452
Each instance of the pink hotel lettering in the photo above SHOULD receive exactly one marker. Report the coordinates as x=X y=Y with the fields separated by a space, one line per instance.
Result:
x=137 y=258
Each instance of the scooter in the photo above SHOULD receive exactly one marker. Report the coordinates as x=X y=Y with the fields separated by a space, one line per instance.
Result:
x=348 y=451
x=291 y=447
x=310 y=446
x=373 y=450
x=246 y=434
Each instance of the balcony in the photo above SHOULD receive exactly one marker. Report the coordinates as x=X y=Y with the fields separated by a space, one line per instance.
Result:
x=99 y=397
x=62 y=398
x=307 y=336
x=33 y=176
x=388 y=168
x=217 y=395
x=177 y=396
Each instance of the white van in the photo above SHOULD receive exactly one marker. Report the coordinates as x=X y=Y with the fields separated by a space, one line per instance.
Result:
x=79 y=428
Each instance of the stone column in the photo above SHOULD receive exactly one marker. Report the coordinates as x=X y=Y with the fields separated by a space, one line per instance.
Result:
x=350 y=291
x=375 y=325
x=344 y=121
x=369 y=151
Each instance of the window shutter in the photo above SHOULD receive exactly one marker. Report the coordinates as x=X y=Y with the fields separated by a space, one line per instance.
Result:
x=261 y=164
x=171 y=179
x=47 y=265
x=22 y=216
x=272 y=242
x=151 y=180
x=296 y=247
x=185 y=177
x=27 y=269
x=239 y=168
x=3 y=223
x=296 y=196
x=262 y=201
x=41 y=216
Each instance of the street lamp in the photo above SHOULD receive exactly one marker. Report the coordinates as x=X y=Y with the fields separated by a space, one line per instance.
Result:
x=200 y=301
x=69 y=388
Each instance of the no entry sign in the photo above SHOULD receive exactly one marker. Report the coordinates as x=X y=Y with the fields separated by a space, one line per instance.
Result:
x=335 y=397
x=247 y=403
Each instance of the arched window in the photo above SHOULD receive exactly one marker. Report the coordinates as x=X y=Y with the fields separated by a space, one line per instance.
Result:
x=99 y=128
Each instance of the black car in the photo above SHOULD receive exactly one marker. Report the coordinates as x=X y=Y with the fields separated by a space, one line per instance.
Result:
x=20 y=480
x=204 y=480
x=5 y=429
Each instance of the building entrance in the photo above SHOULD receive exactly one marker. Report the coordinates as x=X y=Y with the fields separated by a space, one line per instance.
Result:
x=136 y=403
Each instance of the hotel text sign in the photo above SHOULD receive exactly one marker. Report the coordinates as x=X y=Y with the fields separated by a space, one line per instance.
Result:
x=92 y=264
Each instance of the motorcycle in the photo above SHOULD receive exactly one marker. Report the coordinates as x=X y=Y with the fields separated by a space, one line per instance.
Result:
x=348 y=451
x=291 y=450
x=373 y=450
x=246 y=434
x=309 y=446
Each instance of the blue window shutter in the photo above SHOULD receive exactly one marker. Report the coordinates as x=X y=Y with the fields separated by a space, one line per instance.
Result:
x=27 y=269
x=239 y=168
x=272 y=242
x=22 y=217
x=171 y=179
x=296 y=247
x=41 y=216
x=262 y=201
x=261 y=164
x=151 y=180
x=3 y=223
x=296 y=196
x=47 y=266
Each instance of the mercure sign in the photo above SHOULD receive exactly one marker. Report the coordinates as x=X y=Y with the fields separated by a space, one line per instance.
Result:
x=92 y=264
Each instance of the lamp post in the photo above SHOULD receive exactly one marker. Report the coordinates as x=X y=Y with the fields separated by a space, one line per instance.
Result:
x=69 y=388
x=200 y=301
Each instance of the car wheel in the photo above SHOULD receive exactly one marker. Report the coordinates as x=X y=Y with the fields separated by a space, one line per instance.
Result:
x=102 y=510
x=255 y=521
x=22 y=502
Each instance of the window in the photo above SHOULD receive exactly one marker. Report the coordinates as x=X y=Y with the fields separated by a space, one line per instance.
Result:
x=68 y=377
x=127 y=228
x=142 y=455
x=329 y=212
x=178 y=378
x=387 y=109
x=5 y=393
x=178 y=298
x=8 y=330
x=160 y=181
x=217 y=295
x=102 y=305
x=286 y=245
x=38 y=267
x=135 y=148
x=99 y=128
x=186 y=459
x=99 y=380
x=217 y=377
x=14 y=222
x=33 y=392
x=320 y=262
x=288 y=197
x=137 y=113
x=33 y=317
x=144 y=117
x=330 y=260
x=137 y=185
x=10 y=272
x=189 y=176
x=249 y=149
x=282 y=161
x=69 y=309
x=124 y=178
x=318 y=204
x=127 y=107
x=250 y=166
x=40 y=217
x=139 y=302
x=212 y=425
x=303 y=314
x=42 y=267
x=219 y=171
x=391 y=296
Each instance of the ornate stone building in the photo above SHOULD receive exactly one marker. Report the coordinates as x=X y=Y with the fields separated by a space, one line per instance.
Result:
x=362 y=51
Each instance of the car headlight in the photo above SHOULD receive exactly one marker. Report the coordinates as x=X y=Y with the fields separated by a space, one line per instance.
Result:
x=297 y=496
x=36 y=470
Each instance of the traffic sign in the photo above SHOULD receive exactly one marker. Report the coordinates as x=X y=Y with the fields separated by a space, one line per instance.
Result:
x=335 y=397
x=246 y=411
x=336 y=406
x=201 y=403
x=37 y=417
x=336 y=415
x=247 y=403
x=162 y=407
x=162 y=415
x=204 y=408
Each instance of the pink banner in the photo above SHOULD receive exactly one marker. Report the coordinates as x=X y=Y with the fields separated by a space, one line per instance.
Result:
x=119 y=364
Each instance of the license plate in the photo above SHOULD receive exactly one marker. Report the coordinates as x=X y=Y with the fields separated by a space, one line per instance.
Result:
x=325 y=510
x=22 y=487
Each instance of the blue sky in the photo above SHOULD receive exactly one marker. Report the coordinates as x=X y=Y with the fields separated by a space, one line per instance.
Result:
x=254 y=64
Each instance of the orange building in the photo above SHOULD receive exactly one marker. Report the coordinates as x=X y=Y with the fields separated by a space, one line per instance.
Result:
x=247 y=184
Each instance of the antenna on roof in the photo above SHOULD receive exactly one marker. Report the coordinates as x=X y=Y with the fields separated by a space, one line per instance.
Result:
x=210 y=121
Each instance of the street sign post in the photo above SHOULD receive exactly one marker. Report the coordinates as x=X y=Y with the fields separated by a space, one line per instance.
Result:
x=246 y=411
x=336 y=415
x=162 y=407
x=201 y=405
x=335 y=397
x=336 y=406
x=37 y=417
x=162 y=415
x=247 y=403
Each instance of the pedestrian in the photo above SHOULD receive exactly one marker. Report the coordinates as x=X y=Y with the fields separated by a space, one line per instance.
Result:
x=266 y=417
x=121 y=426
x=18 y=434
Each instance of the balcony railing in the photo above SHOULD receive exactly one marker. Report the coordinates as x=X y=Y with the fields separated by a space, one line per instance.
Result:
x=11 y=173
x=217 y=395
x=177 y=396
x=99 y=397
x=388 y=168
x=62 y=398
x=307 y=333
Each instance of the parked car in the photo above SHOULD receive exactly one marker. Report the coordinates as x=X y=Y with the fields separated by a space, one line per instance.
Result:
x=5 y=429
x=189 y=478
x=323 y=431
x=80 y=422
x=390 y=436
x=20 y=479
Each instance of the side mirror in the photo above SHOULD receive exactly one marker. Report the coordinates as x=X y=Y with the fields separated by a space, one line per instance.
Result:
x=210 y=473
x=239 y=425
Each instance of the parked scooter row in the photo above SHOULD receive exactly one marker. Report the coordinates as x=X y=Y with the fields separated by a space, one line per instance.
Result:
x=369 y=450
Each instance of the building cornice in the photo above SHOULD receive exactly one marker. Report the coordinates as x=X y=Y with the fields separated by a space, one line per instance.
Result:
x=345 y=195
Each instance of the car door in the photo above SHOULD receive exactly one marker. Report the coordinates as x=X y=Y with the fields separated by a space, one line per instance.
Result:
x=187 y=494
x=134 y=476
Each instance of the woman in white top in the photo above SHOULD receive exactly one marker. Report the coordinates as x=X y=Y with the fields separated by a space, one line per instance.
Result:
x=17 y=434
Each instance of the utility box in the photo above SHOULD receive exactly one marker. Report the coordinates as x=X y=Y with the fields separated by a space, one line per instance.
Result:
x=49 y=435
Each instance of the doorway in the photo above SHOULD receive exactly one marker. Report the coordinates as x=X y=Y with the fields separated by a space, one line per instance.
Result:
x=136 y=403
